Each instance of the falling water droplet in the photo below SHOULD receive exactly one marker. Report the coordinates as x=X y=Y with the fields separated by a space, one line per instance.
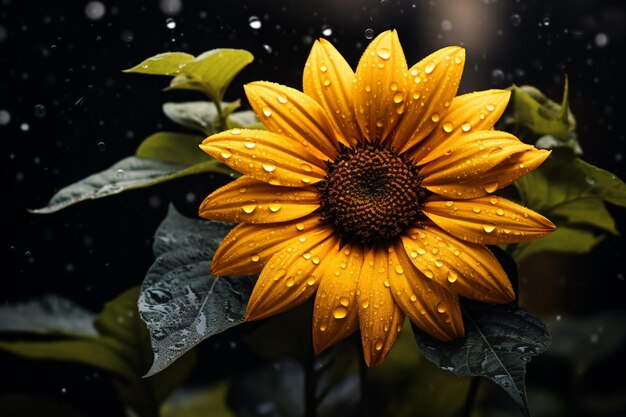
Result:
x=516 y=19
x=327 y=30
x=369 y=33
x=170 y=23
x=254 y=22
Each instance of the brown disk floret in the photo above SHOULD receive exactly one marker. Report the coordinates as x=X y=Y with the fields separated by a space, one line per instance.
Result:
x=371 y=194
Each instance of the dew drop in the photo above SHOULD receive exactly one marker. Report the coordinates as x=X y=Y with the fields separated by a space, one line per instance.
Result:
x=289 y=282
x=493 y=200
x=466 y=127
x=235 y=131
x=413 y=298
x=311 y=281
x=384 y=53
x=441 y=307
x=416 y=95
x=452 y=276
x=249 y=145
x=274 y=206
x=267 y=112
x=429 y=273
x=120 y=173
x=300 y=226
x=435 y=117
x=490 y=187
x=226 y=154
x=379 y=123
x=399 y=269
x=340 y=312
x=488 y=228
x=316 y=260
x=430 y=67
x=282 y=99
x=248 y=208
x=449 y=203
x=447 y=127
x=255 y=258
x=398 y=97
x=379 y=344
x=490 y=107
x=326 y=82
x=476 y=210
x=269 y=166
x=500 y=212
x=344 y=301
x=323 y=68
x=323 y=328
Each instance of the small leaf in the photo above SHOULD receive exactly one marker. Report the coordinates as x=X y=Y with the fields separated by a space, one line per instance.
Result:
x=215 y=69
x=499 y=341
x=199 y=402
x=246 y=118
x=168 y=63
x=181 y=302
x=572 y=193
x=49 y=314
x=538 y=120
x=198 y=115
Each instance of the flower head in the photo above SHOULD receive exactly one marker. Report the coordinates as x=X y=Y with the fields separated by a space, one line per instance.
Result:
x=374 y=192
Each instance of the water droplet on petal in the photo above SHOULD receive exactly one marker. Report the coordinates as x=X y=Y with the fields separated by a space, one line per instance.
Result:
x=466 y=127
x=430 y=67
x=384 y=53
x=249 y=208
x=255 y=258
x=282 y=99
x=316 y=260
x=416 y=95
x=399 y=269
x=311 y=281
x=429 y=273
x=249 y=145
x=447 y=127
x=413 y=298
x=326 y=82
x=226 y=154
x=267 y=112
x=452 y=276
x=340 y=312
x=274 y=206
x=300 y=226
x=490 y=187
x=490 y=107
x=449 y=203
x=323 y=68
x=435 y=117
x=235 y=131
x=323 y=328
x=289 y=282
x=441 y=307
x=344 y=301
x=398 y=97
x=379 y=344
x=500 y=212
x=269 y=166
x=489 y=228
x=476 y=210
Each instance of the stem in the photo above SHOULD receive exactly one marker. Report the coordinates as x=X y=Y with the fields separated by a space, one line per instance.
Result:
x=310 y=403
x=470 y=398
x=364 y=383
x=220 y=115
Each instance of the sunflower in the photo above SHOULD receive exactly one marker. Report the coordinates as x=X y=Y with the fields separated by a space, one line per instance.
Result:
x=374 y=191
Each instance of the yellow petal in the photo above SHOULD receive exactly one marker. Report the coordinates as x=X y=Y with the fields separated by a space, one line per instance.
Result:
x=380 y=319
x=468 y=113
x=429 y=305
x=494 y=179
x=472 y=156
x=291 y=113
x=247 y=248
x=266 y=156
x=335 y=311
x=380 y=87
x=432 y=85
x=467 y=269
x=252 y=201
x=487 y=220
x=291 y=276
x=328 y=79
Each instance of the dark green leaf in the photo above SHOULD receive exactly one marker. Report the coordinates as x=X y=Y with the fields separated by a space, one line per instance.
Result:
x=33 y=405
x=540 y=121
x=47 y=314
x=572 y=193
x=128 y=174
x=203 y=402
x=499 y=341
x=215 y=69
x=168 y=63
x=180 y=301
x=246 y=118
x=173 y=148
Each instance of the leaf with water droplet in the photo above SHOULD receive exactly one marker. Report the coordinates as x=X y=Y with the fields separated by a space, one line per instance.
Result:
x=491 y=347
x=180 y=301
x=168 y=63
x=571 y=193
x=198 y=115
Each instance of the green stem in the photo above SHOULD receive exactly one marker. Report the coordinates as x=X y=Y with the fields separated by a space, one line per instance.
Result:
x=220 y=115
x=470 y=398
x=364 y=383
x=310 y=403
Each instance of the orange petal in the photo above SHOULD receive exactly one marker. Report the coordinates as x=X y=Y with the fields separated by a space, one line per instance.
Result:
x=472 y=156
x=380 y=89
x=328 y=79
x=266 y=156
x=252 y=201
x=494 y=179
x=291 y=113
x=335 y=311
x=291 y=276
x=467 y=114
x=429 y=305
x=247 y=248
x=432 y=85
x=488 y=220
x=467 y=269
x=380 y=319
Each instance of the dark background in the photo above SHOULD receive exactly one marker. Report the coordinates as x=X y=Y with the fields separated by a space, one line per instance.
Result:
x=67 y=111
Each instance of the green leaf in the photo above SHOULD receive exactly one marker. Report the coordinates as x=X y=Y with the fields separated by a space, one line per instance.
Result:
x=198 y=115
x=173 y=148
x=49 y=314
x=499 y=341
x=168 y=63
x=215 y=69
x=203 y=402
x=181 y=302
x=31 y=404
x=86 y=350
x=246 y=118
x=538 y=120
x=572 y=193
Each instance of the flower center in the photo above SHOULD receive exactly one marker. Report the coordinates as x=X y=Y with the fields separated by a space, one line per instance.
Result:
x=371 y=194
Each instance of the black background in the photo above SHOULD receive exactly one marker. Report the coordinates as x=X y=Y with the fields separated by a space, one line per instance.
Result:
x=68 y=111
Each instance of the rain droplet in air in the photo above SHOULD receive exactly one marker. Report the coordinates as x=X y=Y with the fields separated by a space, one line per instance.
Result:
x=170 y=23
x=327 y=30
x=254 y=22
x=369 y=33
x=516 y=19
